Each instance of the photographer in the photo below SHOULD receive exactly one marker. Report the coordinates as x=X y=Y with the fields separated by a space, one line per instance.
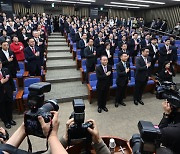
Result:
x=56 y=147
x=170 y=125
x=97 y=142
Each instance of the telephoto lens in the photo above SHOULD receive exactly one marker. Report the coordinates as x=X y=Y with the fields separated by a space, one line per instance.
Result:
x=136 y=144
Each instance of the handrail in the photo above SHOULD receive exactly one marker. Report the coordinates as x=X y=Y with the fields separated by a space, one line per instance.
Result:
x=161 y=32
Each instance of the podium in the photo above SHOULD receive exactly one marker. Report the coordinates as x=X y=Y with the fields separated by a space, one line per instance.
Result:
x=122 y=146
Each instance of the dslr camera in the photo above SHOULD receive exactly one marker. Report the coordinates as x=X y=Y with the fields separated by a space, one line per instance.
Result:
x=37 y=108
x=148 y=140
x=168 y=90
x=78 y=131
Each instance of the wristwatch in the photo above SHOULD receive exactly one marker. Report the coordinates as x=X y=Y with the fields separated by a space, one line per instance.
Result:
x=165 y=115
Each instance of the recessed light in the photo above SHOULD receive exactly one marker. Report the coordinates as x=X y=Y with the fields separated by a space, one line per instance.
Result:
x=122 y=6
x=151 y=2
x=130 y=4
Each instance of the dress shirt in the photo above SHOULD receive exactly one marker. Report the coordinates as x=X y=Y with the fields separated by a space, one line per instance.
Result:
x=108 y=53
x=6 y=53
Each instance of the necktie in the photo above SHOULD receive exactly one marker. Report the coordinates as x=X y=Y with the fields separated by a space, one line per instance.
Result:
x=125 y=65
x=145 y=60
x=33 y=50
x=105 y=69
x=1 y=76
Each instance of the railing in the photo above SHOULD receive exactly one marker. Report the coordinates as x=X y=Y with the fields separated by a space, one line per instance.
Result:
x=161 y=32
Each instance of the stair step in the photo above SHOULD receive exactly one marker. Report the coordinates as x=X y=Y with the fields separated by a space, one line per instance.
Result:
x=59 y=49
x=56 y=33
x=56 y=36
x=63 y=75
x=65 y=92
x=54 y=43
x=59 y=55
x=60 y=64
x=56 y=40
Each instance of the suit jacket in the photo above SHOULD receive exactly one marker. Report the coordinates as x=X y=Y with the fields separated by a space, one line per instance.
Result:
x=90 y=35
x=9 y=86
x=165 y=76
x=112 y=47
x=110 y=60
x=99 y=47
x=103 y=81
x=78 y=38
x=152 y=54
x=10 y=32
x=33 y=61
x=164 y=56
x=12 y=66
x=141 y=69
x=72 y=33
x=131 y=46
x=91 y=59
x=122 y=76
x=143 y=43
x=82 y=47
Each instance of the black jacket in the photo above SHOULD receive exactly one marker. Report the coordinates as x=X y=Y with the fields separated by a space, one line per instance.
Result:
x=141 y=69
x=110 y=60
x=33 y=61
x=82 y=47
x=91 y=59
x=164 y=56
x=122 y=76
x=103 y=81
x=99 y=47
x=9 y=86
x=170 y=129
x=12 y=66
x=152 y=54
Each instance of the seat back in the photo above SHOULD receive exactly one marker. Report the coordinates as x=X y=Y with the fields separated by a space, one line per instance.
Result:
x=28 y=82
x=160 y=45
x=92 y=79
x=116 y=60
x=114 y=74
x=132 y=73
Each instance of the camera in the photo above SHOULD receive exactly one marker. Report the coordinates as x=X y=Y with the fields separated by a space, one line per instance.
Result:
x=37 y=108
x=4 y=137
x=79 y=129
x=148 y=140
x=168 y=90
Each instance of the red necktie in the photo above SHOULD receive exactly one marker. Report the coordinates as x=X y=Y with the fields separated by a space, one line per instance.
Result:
x=33 y=50
x=1 y=76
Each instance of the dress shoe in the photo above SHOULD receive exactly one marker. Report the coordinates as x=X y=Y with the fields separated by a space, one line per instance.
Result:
x=141 y=102
x=122 y=103
x=12 y=122
x=99 y=110
x=7 y=125
x=116 y=104
x=135 y=102
x=105 y=109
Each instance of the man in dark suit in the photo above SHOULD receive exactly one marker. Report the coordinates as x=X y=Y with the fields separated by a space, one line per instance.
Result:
x=99 y=44
x=146 y=41
x=134 y=46
x=78 y=36
x=153 y=53
x=32 y=56
x=141 y=75
x=113 y=42
x=165 y=54
x=163 y=26
x=9 y=59
x=122 y=41
x=90 y=34
x=6 y=97
x=91 y=59
x=123 y=50
x=104 y=81
x=123 y=77
x=83 y=44
x=73 y=32
x=108 y=52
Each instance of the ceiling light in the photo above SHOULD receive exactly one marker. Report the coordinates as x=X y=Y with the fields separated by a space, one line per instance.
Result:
x=142 y=1
x=176 y=0
x=130 y=4
x=122 y=6
x=75 y=2
x=87 y=0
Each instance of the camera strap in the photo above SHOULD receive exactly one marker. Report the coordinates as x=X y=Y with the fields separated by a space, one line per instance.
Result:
x=47 y=146
x=11 y=149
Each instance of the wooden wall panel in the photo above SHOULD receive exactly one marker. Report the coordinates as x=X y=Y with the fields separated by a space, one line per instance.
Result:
x=120 y=13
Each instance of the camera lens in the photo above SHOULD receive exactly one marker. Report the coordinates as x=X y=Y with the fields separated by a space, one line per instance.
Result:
x=51 y=105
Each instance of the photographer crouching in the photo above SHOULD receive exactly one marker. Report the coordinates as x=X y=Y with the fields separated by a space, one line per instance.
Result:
x=170 y=124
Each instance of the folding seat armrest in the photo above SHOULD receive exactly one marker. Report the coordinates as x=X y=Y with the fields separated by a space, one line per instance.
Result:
x=26 y=73
x=19 y=94
x=89 y=86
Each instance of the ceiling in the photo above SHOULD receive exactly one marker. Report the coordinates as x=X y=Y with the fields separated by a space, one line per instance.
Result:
x=130 y=4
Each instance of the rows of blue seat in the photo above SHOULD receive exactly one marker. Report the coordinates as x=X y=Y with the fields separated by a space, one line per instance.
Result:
x=93 y=80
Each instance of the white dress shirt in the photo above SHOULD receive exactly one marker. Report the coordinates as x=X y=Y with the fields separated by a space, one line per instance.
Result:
x=6 y=53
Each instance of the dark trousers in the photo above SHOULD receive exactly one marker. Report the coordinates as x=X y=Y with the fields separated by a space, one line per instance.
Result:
x=139 y=88
x=102 y=97
x=120 y=93
x=88 y=70
x=37 y=72
x=6 y=103
x=134 y=54
x=151 y=68
x=160 y=66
